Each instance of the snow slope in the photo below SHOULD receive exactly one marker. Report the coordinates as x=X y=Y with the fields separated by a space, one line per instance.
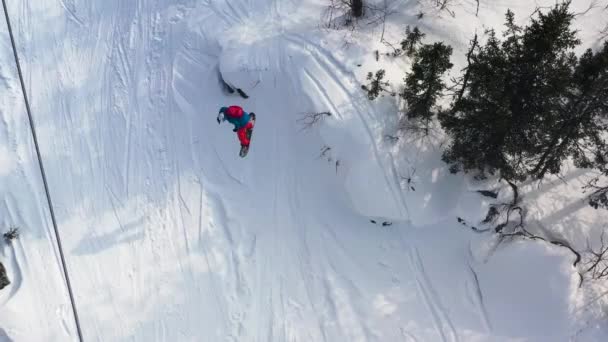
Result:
x=35 y=306
x=170 y=236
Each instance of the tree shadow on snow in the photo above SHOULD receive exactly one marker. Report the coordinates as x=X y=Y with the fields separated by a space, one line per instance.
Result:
x=124 y=234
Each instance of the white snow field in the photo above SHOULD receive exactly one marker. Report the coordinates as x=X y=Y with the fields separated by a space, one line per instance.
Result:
x=170 y=236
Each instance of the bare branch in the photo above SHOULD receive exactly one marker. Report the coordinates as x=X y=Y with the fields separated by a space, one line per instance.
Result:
x=324 y=151
x=307 y=120
x=444 y=5
x=409 y=180
x=11 y=234
x=604 y=31
x=592 y=5
x=596 y=265
x=598 y=198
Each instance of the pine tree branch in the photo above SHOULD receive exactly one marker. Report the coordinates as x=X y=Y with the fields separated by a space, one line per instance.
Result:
x=465 y=78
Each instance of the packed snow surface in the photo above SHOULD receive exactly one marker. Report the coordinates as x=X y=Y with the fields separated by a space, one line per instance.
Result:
x=170 y=236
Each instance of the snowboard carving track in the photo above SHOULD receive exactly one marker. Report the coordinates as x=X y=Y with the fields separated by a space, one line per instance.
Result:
x=330 y=66
x=442 y=321
x=478 y=299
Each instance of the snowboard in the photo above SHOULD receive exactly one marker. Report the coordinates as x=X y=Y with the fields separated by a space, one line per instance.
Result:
x=230 y=88
x=242 y=93
x=245 y=149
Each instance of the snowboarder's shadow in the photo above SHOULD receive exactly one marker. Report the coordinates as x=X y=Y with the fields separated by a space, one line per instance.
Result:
x=230 y=89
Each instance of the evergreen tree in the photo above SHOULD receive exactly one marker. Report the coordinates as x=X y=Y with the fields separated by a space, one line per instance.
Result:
x=376 y=85
x=599 y=192
x=520 y=102
x=480 y=120
x=411 y=41
x=357 y=8
x=580 y=121
x=424 y=84
x=463 y=80
x=592 y=77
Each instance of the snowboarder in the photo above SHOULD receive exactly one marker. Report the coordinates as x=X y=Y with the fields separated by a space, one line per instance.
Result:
x=243 y=124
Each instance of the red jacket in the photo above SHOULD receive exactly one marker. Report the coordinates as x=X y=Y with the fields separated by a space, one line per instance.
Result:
x=244 y=133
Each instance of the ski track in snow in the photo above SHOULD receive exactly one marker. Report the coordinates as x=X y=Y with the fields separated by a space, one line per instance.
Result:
x=68 y=5
x=329 y=65
x=477 y=298
x=273 y=309
x=444 y=325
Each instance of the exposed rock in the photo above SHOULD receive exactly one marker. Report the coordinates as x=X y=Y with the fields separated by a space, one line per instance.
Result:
x=4 y=282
